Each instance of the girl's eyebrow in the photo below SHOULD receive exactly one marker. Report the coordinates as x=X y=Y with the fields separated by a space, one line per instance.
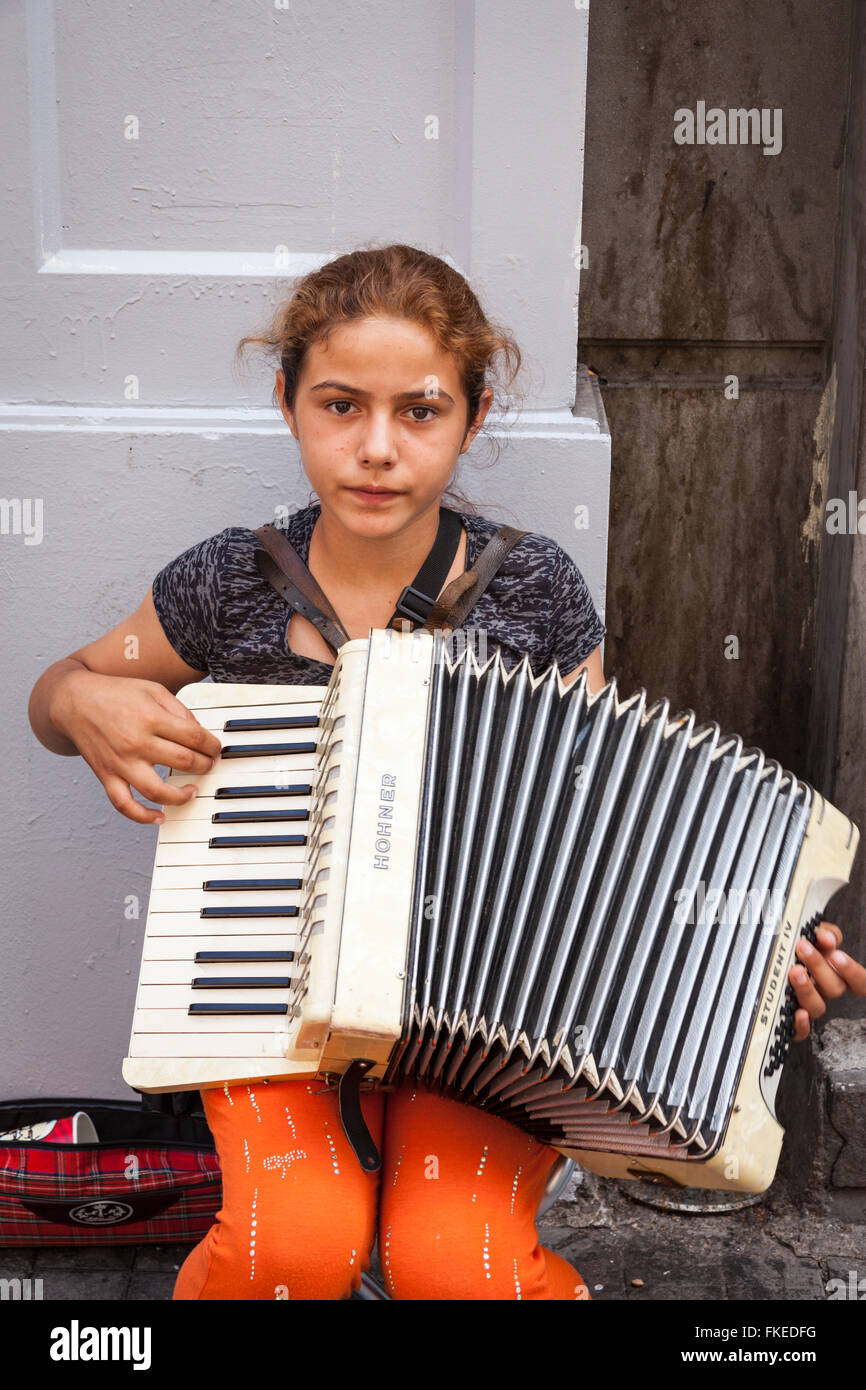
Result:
x=401 y=396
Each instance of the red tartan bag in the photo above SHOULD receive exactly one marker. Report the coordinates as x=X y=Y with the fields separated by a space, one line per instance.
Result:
x=152 y=1177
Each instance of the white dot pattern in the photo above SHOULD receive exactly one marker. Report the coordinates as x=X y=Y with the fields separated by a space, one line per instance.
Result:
x=284 y=1161
x=397 y=1167
x=246 y=1155
x=334 y=1157
x=479 y=1171
x=486 y=1252
x=518 y=1294
x=514 y=1187
x=253 y=1224
x=254 y=1103
x=227 y=1092
x=386 y=1261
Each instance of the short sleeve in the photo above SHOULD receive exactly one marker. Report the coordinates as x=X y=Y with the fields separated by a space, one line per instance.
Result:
x=186 y=596
x=577 y=628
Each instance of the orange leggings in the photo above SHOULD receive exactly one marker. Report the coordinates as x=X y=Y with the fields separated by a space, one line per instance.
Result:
x=455 y=1199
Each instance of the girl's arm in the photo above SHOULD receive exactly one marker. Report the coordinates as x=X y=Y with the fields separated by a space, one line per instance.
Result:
x=113 y=702
x=594 y=672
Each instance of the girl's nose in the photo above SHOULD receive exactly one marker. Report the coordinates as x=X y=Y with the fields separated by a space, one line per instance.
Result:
x=378 y=445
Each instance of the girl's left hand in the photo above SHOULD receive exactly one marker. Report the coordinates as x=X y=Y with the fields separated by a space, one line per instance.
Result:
x=828 y=974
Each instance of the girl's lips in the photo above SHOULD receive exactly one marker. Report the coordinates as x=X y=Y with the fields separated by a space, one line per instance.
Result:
x=375 y=494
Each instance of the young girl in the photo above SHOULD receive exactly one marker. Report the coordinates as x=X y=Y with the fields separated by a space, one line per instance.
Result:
x=385 y=357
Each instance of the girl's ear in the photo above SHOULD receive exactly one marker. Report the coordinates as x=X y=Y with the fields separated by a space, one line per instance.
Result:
x=287 y=414
x=484 y=404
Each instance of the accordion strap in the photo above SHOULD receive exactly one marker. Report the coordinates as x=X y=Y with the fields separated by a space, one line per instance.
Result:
x=462 y=594
x=281 y=565
x=284 y=569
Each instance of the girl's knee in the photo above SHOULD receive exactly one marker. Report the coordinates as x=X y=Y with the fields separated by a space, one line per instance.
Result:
x=472 y=1258
x=298 y=1214
x=267 y=1264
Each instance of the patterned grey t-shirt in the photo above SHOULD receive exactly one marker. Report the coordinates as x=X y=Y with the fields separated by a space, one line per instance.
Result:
x=221 y=616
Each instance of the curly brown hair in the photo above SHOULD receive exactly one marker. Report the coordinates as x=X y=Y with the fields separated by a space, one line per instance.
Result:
x=401 y=282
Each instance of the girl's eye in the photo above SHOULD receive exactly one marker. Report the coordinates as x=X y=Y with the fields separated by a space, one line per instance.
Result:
x=427 y=410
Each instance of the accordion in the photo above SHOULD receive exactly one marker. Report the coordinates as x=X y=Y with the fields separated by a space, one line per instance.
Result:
x=573 y=910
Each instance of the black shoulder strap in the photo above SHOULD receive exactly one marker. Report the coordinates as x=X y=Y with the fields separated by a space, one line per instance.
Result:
x=418 y=598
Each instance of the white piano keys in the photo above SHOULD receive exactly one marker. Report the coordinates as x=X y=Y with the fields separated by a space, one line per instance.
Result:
x=158 y=997
x=225 y=774
x=191 y=853
x=193 y=875
x=285 y=771
x=177 y=972
x=180 y=947
x=216 y=718
x=205 y=807
x=195 y=899
x=183 y=924
x=201 y=831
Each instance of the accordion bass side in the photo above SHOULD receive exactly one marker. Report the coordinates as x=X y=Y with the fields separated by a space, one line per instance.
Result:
x=575 y=911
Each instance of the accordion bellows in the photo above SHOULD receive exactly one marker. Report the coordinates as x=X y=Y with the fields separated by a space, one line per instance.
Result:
x=575 y=911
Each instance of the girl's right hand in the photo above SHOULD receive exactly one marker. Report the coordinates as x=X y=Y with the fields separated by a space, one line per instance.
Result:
x=122 y=727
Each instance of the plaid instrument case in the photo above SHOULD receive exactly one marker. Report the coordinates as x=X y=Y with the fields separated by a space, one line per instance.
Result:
x=152 y=1177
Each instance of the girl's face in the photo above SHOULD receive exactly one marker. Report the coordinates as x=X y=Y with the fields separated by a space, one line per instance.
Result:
x=380 y=417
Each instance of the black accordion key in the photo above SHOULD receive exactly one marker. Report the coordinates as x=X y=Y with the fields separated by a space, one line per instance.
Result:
x=288 y=721
x=265 y=750
x=296 y=789
x=242 y=957
x=254 y=841
x=264 y=911
x=238 y=817
x=252 y=885
x=241 y=982
x=225 y=1010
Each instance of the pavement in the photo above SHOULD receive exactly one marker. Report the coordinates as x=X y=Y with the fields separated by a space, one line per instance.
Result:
x=623 y=1248
x=774 y=1249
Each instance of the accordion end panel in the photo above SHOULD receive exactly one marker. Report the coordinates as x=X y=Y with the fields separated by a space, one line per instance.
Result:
x=379 y=806
x=748 y=1155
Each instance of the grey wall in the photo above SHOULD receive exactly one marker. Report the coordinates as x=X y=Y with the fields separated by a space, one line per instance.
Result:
x=713 y=260
x=838 y=710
